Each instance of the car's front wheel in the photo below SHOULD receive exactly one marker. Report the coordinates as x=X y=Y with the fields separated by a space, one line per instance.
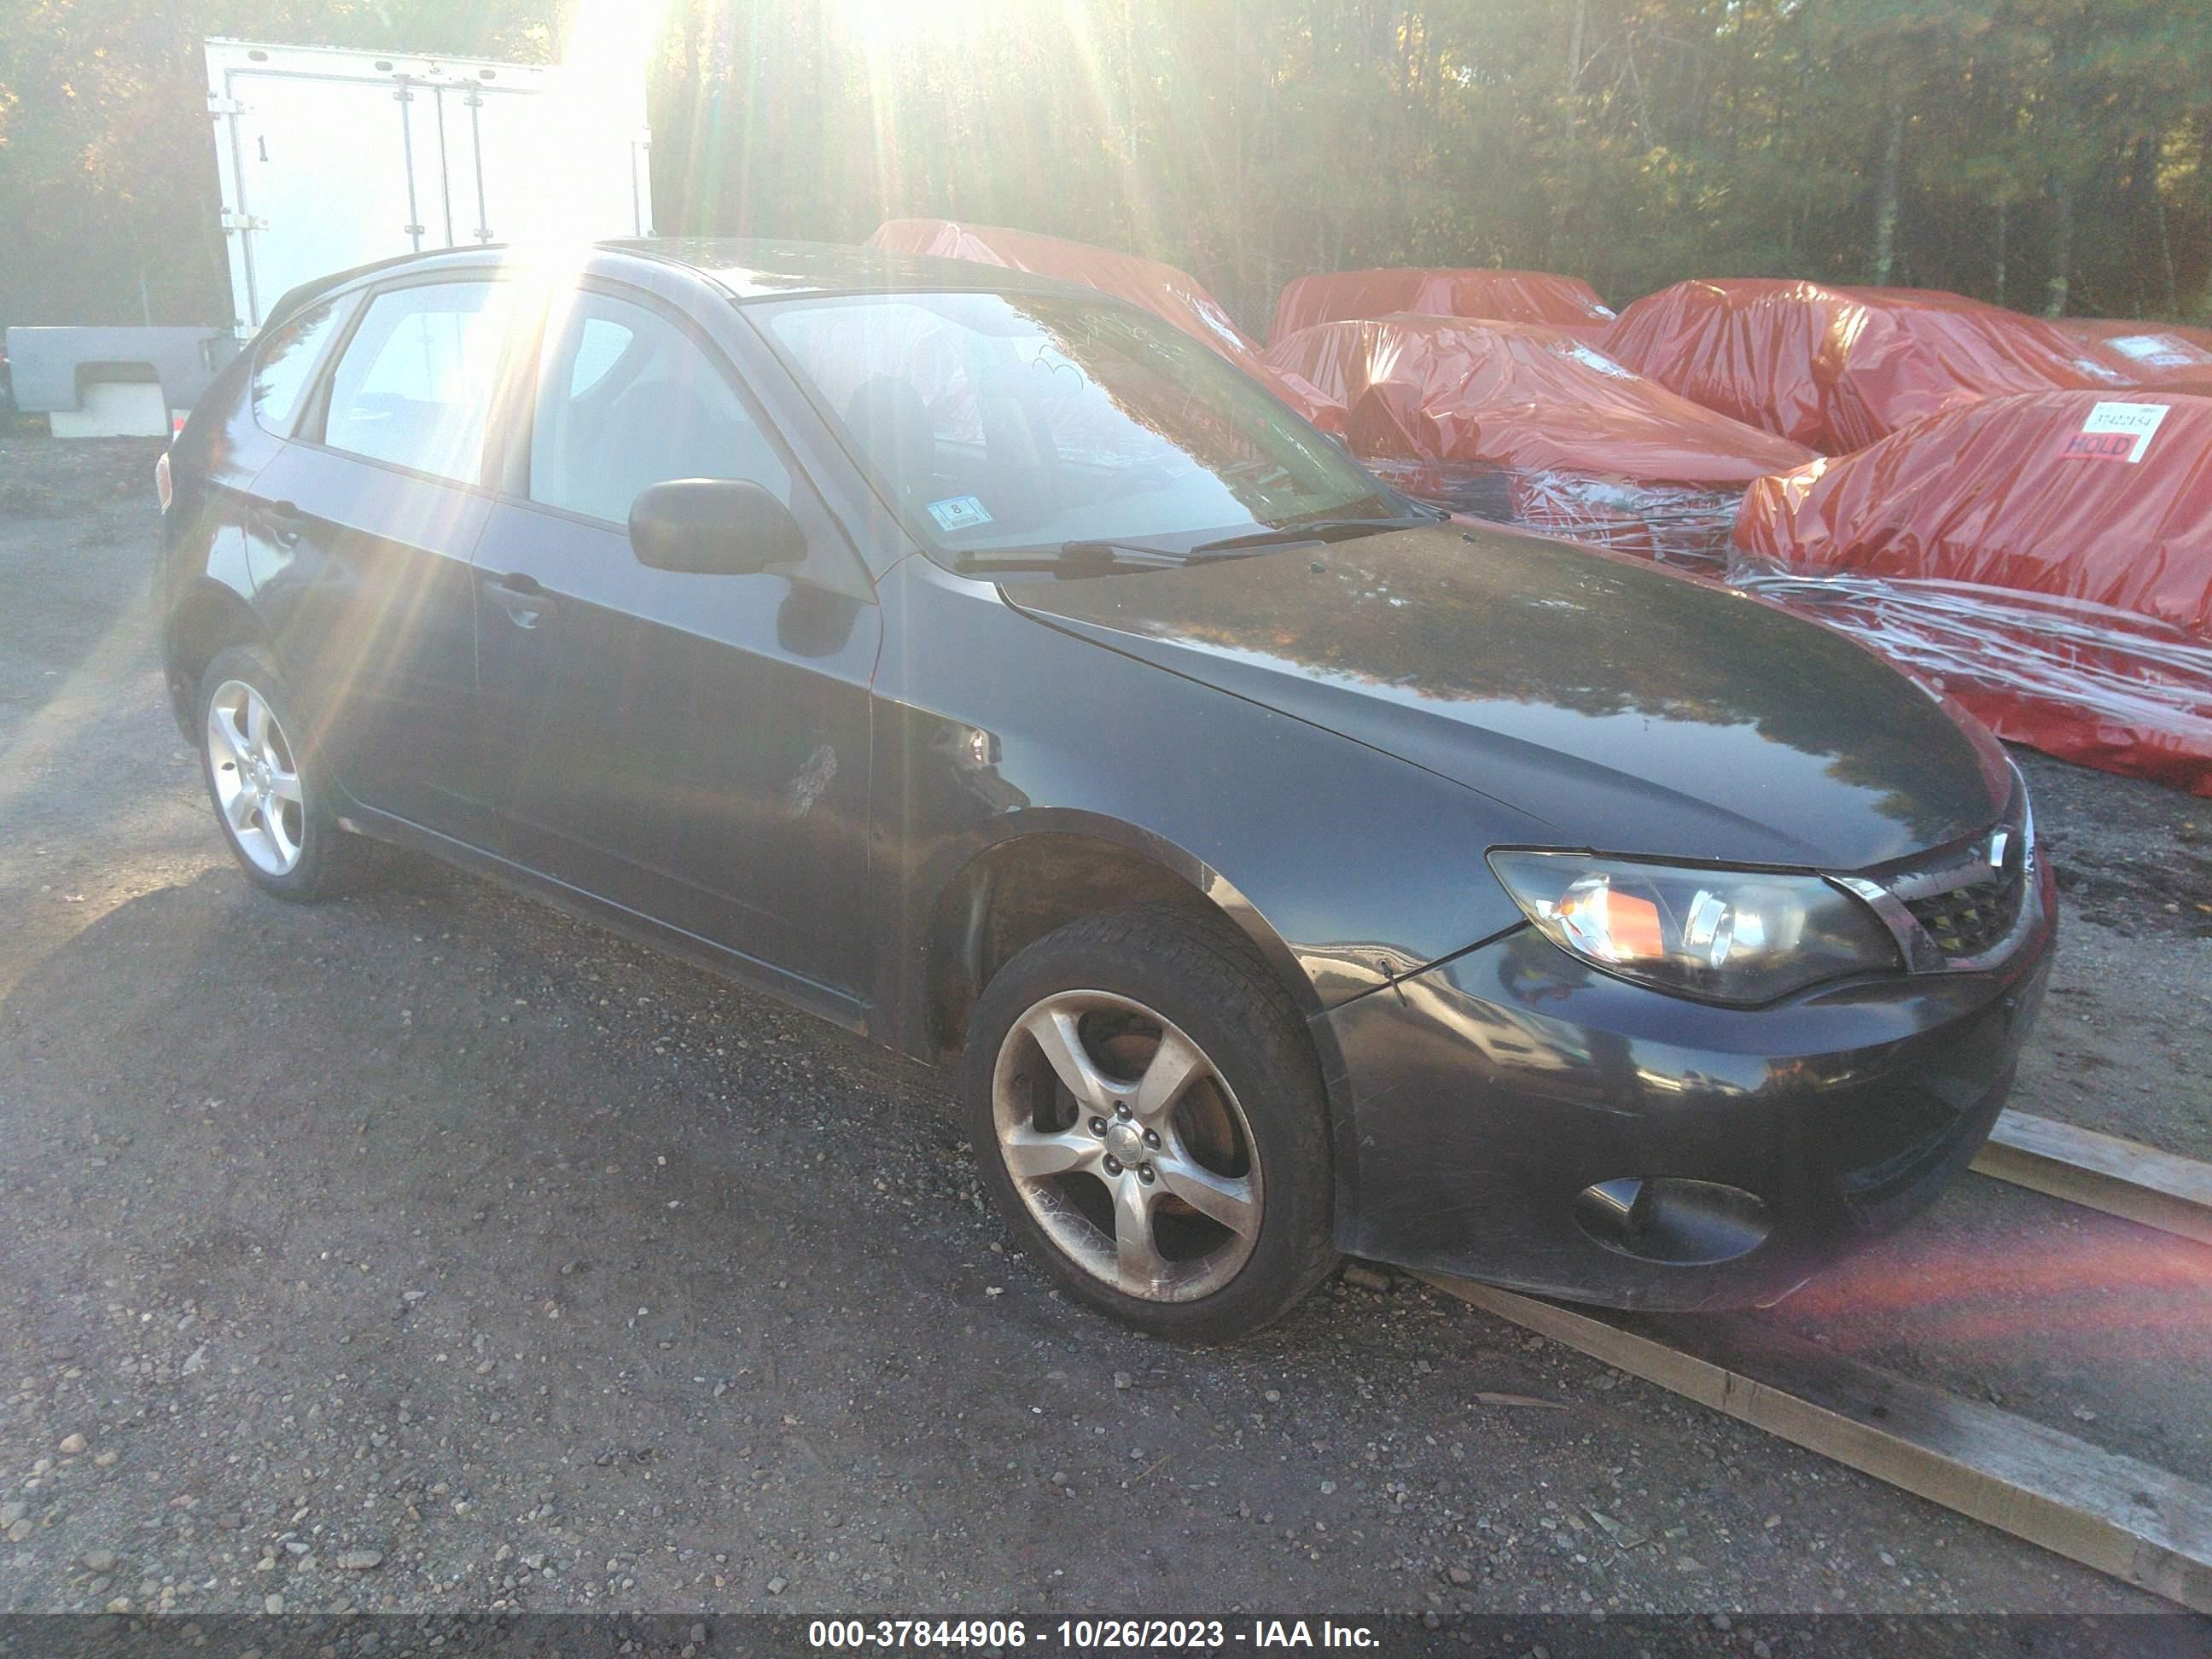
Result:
x=1150 y=1118
x=268 y=797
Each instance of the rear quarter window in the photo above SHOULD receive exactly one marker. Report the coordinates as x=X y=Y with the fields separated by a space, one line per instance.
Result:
x=284 y=361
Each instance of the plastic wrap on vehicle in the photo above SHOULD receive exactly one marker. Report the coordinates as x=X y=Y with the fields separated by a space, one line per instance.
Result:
x=1529 y=425
x=2045 y=558
x=1504 y=297
x=1674 y=524
x=1166 y=292
x=1841 y=368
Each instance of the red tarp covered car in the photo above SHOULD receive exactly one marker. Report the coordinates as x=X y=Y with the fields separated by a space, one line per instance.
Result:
x=2044 y=557
x=1503 y=296
x=1159 y=288
x=1839 y=367
x=1529 y=424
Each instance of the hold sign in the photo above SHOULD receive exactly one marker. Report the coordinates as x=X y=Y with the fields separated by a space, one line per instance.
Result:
x=2115 y=431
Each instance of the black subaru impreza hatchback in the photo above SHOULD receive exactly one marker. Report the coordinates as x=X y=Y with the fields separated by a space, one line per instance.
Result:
x=982 y=665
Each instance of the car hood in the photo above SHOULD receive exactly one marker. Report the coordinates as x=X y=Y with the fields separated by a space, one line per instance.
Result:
x=1632 y=710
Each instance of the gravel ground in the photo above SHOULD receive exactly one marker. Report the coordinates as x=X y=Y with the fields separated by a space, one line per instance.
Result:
x=431 y=1251
x=2125 y=1040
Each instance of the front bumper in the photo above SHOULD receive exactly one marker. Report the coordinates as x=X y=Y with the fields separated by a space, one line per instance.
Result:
x=1502 y=1115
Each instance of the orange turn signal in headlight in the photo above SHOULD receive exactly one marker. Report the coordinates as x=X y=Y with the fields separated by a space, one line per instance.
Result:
x=1611 y=925
x=1732 y=936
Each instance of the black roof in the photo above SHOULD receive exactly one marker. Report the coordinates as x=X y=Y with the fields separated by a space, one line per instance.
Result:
x=752 y=268
x=746 y=268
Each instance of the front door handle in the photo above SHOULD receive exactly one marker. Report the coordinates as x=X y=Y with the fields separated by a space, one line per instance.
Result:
x=283 y=521
x=520 y=597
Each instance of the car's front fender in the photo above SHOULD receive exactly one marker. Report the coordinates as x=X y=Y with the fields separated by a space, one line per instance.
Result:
x=1348 y=867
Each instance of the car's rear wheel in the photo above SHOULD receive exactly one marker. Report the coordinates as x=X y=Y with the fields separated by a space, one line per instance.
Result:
x=268 y=797
x=1150 y=1118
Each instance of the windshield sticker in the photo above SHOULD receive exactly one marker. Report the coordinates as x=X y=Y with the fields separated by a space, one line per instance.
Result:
x=2115 y=431
x=2158 y=350
x=961 y=512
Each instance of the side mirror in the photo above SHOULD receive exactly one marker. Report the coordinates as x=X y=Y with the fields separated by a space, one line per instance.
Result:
x=714 y=527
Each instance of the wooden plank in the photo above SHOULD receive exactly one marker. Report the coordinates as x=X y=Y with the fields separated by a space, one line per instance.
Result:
x=2119 y=1516
x=2102 y=1172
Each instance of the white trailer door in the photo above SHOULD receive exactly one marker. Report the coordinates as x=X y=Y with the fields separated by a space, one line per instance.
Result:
x=324 y=163
x=521 y=165
x=330 y=158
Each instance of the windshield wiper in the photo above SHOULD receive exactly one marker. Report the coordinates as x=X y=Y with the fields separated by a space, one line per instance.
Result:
x=1095 y=556
x=1076 y=558
x=1291 y=535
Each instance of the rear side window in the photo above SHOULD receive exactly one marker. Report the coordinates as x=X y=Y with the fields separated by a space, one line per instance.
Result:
x=285 y=360
x=625 y=400
x=414 y=385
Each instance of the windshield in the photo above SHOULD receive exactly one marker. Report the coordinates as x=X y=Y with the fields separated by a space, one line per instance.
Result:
x=998 y=421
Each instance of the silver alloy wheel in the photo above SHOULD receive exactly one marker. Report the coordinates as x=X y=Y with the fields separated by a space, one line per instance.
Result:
x=257 y=780
x=1127 y=1145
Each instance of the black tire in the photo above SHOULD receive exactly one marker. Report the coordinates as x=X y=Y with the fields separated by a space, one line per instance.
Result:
x=1201 y=976
x=331 y=860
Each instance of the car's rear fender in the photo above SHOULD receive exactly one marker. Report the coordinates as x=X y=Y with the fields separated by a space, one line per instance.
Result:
x=204 y=590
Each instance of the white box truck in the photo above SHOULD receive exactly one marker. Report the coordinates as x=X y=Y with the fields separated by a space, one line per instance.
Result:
x=328 y=159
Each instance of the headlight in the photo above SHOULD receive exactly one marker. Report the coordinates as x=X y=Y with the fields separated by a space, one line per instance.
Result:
x=1732 y=936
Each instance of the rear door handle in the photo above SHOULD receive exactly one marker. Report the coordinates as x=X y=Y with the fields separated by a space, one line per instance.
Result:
x=520 y=597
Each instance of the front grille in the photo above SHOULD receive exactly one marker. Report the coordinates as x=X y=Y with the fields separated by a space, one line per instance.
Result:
x=1970 y=920
x=1966 y=901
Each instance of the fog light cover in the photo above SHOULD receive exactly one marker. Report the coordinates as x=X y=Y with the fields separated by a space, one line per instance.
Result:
x=1677 y=1223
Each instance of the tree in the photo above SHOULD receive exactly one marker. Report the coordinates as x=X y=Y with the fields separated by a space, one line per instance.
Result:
x=2037 y=150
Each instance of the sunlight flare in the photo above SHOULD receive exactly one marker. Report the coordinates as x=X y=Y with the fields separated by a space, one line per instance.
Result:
x=595 y=103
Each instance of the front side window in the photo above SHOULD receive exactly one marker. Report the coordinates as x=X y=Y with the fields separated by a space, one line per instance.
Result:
x=1018 y=421
x=625 y=400
x=285 y=360
x=415 y=384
